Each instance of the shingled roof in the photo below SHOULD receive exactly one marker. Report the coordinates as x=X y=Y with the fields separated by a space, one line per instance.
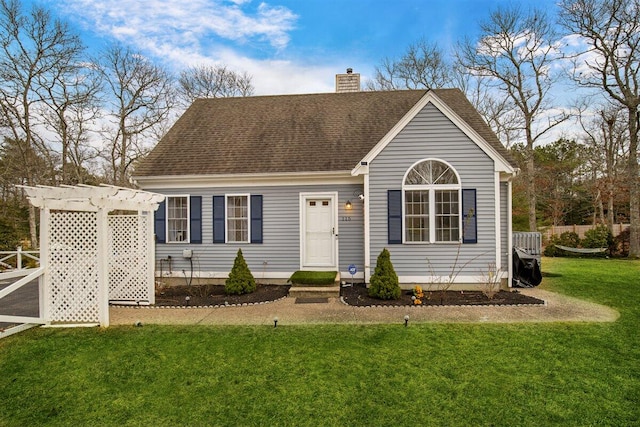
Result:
x=290 y=133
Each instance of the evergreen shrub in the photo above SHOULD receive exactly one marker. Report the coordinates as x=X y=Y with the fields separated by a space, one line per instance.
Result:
x=384 y=281
x=599 y=237
x=240 y=279
x=568 y=238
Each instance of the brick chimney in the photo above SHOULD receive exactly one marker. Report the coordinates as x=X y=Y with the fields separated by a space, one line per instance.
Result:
x=348 y=82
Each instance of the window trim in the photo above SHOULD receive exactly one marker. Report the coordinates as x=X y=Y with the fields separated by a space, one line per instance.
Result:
x=226 y=217
x=432 y=189
x=168 y=219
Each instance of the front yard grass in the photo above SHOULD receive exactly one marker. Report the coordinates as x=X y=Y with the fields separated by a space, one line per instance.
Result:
x=430 y=374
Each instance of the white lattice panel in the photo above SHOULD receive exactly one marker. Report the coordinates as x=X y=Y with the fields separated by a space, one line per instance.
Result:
x=129 y=278
x=72 y=265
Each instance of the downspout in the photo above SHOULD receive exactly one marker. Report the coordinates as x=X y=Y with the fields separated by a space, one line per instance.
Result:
x=367 y=238
x=509 y=232
x=498 y=222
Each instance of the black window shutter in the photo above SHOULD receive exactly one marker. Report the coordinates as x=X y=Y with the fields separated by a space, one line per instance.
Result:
x=469 y=219
x=394 y=216
x=159 y=218
x=196 y=219
x=256 y=219
x=218 y=219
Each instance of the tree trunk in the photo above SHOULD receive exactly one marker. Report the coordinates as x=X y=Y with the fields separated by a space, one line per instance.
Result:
x=531 y=187
x=600 y=211
x=610 y=213
x=33 y=229
x=634 y=188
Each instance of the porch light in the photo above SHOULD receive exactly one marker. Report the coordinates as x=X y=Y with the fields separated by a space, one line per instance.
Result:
x=348 y=205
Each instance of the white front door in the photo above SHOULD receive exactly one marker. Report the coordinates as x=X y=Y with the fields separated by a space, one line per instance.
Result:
x=318 y=232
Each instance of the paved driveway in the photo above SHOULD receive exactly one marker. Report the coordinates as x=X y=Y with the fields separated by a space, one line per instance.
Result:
x=21 y=302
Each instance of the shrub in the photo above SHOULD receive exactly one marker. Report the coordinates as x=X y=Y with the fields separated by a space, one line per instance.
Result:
x=240 y=279
x=551 y=250
x=384 y=281
x=621 y=243
x=568 y=238
x=599 y=237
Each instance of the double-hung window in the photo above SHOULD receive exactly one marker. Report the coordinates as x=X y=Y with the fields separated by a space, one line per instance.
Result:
x=177 y=219
x=237 y=218
x=431 y=194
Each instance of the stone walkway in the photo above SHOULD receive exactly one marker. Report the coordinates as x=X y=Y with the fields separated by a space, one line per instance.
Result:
x=558 y=308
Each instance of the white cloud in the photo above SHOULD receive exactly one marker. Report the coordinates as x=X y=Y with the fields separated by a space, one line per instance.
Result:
x=269 y=76
x=182 y=33
x=184 y=23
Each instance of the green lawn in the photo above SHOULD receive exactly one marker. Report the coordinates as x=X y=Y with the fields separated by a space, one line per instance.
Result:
x=450 y=374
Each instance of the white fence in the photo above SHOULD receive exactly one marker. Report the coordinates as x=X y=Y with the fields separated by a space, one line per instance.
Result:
x=22 y=322
x=15 y=259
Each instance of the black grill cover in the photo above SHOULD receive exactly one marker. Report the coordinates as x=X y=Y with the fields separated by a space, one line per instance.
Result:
x=526 y=270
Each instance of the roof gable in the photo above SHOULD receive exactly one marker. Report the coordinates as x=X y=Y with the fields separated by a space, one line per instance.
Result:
x=291 y=133
x=455 y=106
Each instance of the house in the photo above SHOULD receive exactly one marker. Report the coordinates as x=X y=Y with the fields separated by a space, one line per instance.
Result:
x=326 y=181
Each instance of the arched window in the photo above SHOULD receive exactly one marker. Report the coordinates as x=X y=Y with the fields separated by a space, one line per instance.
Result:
x=431 y=193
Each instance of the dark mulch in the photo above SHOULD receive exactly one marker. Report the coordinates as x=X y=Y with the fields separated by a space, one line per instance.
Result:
x=208 y=295
x=358 y=295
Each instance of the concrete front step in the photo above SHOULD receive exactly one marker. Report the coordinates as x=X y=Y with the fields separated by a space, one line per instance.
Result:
x=314 y=291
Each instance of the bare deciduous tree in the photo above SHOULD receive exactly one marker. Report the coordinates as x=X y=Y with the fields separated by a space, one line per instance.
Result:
x=606 y=135
x=70 y=107
x=515 y=51
x=210 y=81
x=141 y=97
x=498 y=111
x=34 y=50
x=610 y=62
x=423 y=66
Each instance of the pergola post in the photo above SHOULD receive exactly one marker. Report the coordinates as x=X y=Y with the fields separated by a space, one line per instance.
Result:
x=151 y=245
x=103 y=267
x=44 y=283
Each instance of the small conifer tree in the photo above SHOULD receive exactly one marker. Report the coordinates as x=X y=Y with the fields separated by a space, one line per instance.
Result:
x=240 y=279
x=384 y=282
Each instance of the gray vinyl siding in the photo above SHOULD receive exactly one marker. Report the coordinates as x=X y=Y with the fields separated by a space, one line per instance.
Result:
x=504 y=223
x=432 y=135
x=280 y=249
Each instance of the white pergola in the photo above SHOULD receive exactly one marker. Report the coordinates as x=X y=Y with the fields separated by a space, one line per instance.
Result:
x=91 y=256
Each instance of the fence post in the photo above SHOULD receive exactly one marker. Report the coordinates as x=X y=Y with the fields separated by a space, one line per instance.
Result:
x=19 y=258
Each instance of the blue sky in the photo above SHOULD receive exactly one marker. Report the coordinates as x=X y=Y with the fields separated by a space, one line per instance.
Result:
x=288 y=46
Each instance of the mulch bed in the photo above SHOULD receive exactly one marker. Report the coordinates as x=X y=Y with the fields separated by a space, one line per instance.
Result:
x=358 y=295
x=211 y=295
